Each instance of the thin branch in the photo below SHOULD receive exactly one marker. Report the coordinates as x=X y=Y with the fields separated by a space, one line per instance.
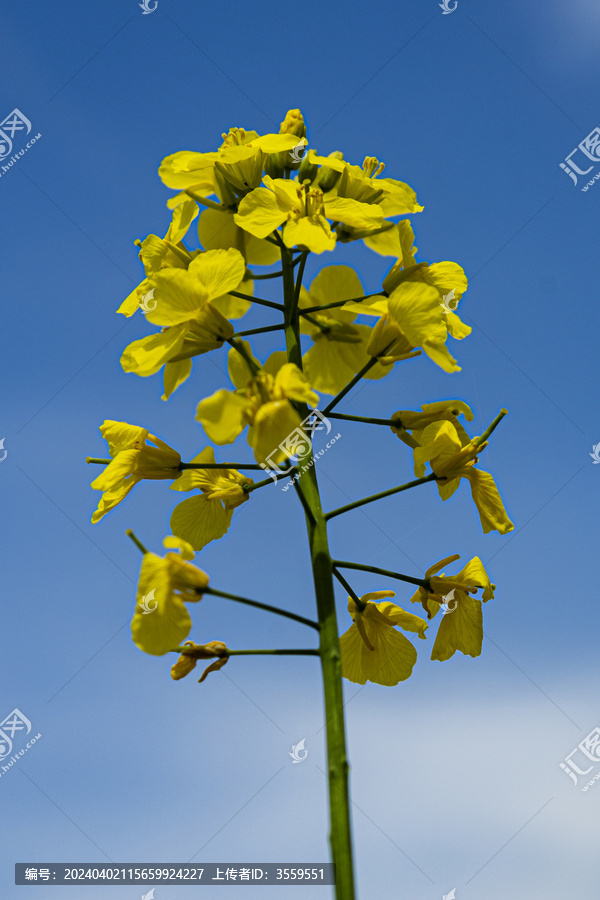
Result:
x=258 y=300
x=359 y=603
x=258 y=605
x=388 y=493
x=258 y=330
x=421 y=582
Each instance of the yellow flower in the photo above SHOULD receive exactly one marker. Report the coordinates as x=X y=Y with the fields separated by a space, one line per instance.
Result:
x=206 y=517
x=393 y=197
x=134 y=458
x=340 y=348
x=262 y=401
x=452 y=455
x=410 y=421
x=186 y=662
x=305 y=212
x=461 y=627
x=241 y=154
x=372 y=649
x=155 y=253
x=192 y=325
x=161 y=621
x=228 y=174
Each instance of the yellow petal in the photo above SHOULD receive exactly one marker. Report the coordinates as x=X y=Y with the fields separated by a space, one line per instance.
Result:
x=178 y=294
x=121 y=435
x=259 y=213
x=311 y=232
x=174 y=374
x=292 y=383
x=222 y=416
x=220 y=271
x=461 y=629
x=200 y=520
x=183 y=216
x=187 y=169
x=149 y=354
x=273 y=423
x=354 y=213
x=488 y=501
x=335 y=283
x=169 y=623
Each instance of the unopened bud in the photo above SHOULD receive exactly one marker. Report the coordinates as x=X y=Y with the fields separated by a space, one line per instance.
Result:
x=327 y=177
x=293 y=123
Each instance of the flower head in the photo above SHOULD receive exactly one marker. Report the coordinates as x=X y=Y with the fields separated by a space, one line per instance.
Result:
x=137 y=455
x=452 y=455
x=207 y=516
x=171 y=581
x=305 y=212
x=463 y=628
x=262 y=401
x=372 y=649
x=187 y=661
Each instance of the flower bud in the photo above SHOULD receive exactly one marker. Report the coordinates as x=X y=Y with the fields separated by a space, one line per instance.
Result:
x=308 y=171
x=327 y=177
x=293 y=123
x=277 y=163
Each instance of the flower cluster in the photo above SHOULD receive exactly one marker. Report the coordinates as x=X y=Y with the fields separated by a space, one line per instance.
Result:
x=256 y=201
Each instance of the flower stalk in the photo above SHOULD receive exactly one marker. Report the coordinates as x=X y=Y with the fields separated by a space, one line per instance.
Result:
x=329 y=647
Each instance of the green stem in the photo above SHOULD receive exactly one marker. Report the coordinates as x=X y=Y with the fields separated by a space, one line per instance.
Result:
x=182 y=252
x=368 y=420
x=337 y=762
x=258 y=605
x=273 y=652
x=100 y=462
x=373 y=497
x=188 y=651
x=360 y=605
x=257 y=330
x=311 y=309
x=324 y=328
x=373 y=361
x=298 y=287
x=136 y=541
x=421 y=582
x=248 y=488
x=491 y=427
x=258 y=300
x=225 y=465
x=263 y=277
x=204 y=201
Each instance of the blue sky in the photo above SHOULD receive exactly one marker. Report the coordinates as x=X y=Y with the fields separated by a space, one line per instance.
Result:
x=455 y=773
